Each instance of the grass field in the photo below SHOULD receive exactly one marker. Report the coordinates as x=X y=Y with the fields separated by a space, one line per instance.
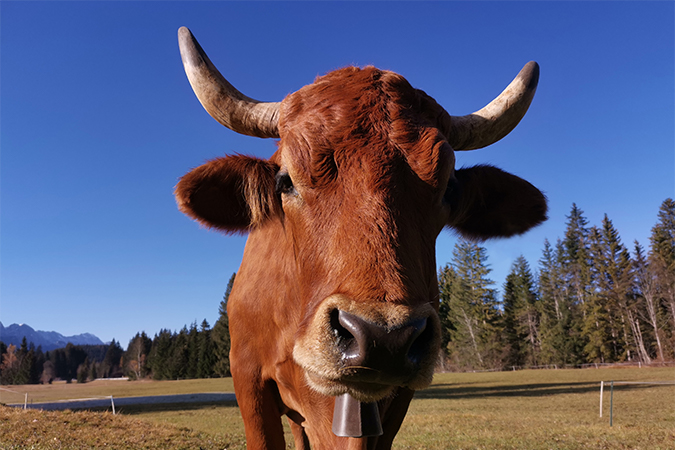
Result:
x=38 y=393
x=556 y=409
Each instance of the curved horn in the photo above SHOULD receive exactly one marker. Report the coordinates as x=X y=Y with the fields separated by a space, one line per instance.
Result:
x=222 y=100
x=495 y=120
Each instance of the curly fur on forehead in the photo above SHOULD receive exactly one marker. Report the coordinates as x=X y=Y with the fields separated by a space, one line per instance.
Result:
x=353 y=114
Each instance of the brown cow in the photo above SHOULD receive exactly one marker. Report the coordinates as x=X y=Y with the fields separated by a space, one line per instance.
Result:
x=337 y=293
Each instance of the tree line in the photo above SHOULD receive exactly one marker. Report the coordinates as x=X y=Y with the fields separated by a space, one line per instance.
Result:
x=29 y=365
x=591 y=299
x=192 y=352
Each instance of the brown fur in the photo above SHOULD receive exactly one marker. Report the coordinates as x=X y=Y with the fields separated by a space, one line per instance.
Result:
x=373 y=185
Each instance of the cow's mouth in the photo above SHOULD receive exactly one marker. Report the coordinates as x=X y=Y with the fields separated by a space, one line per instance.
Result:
x=363 y=391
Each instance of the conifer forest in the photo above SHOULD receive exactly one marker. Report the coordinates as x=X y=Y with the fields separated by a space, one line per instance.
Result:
x=589 y=299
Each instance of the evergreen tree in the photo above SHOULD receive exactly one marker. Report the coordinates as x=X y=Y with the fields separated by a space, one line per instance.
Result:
x=112 y=362
x=58 y=358
x=662 y=263
x=180 y=354
x=575 y=259
x=37 y=367
x=73 y=356
x=93 y=371
x=160 y=355
x=614 y=289
x=221 y=335
x=26 y=361
x=206 y=352
x=561 y=341
x=474 y=342
x=447 y=281
x=598 y=327
x=521 y=316
x=192 y=351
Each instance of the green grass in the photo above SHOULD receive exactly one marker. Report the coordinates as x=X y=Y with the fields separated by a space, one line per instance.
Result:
x=556 y=409
x=542 y=410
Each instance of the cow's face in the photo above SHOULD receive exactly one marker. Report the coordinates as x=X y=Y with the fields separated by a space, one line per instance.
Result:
x=362 y=184
x=363 y=177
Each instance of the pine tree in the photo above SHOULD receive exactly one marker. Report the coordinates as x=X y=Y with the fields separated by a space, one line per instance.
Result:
x=73 y=356
x=112 y=362
x=38 y=365
x=180 y=354
x=221 y=335
x=160 y=355
x=474 y=341
x=575 y=258
x=598 y=331
x=560 y=331
x=192 y=351
x=447 y=282
x=26 y=361
x=93 y=371
x=206 y=352
x=575 y=271
x=521 y=318
x=662 y=263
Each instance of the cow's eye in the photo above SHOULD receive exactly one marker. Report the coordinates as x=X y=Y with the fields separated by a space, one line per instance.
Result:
x=284 y=184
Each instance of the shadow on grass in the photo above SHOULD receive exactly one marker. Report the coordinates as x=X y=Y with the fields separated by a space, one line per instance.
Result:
x=131 y=410
x=460 y=391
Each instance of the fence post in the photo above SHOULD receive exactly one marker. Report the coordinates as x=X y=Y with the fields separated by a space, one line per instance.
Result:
x=112 y=402
x=602 y=386
x=611 y=403
x=25 y=401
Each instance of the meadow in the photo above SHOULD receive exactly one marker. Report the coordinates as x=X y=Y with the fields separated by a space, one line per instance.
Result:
x=545 y=409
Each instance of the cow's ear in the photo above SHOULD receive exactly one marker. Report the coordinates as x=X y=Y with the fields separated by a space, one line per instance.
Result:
x=233 y=194
x=487 y=202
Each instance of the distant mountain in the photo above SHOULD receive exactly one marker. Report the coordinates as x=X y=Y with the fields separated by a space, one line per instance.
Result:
x=49 y=340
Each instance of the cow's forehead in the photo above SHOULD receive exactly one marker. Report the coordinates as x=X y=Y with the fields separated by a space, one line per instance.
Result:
x=364 y=118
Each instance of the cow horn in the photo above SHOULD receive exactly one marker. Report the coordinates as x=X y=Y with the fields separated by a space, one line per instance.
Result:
x=222 y=100
x=488 y=125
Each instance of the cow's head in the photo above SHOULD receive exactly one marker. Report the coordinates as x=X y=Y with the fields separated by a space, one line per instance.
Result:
x=362 y=183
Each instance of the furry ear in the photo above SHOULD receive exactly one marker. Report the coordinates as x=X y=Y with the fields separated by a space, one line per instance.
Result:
x=487 y=202
x=233 y=194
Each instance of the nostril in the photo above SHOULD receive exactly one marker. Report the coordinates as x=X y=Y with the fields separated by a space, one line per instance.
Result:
x=345 y=339
x=420 y=342
x=354 y=337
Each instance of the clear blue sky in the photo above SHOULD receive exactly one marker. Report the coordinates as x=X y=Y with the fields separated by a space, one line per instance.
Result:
x=98 y=122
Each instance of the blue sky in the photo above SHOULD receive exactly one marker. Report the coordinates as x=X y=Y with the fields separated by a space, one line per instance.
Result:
x=98 y=121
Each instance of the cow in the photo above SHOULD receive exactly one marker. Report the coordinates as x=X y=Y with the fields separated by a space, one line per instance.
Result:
x=334 y=310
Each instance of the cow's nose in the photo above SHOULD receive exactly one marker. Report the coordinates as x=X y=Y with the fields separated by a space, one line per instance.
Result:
x=368 y=345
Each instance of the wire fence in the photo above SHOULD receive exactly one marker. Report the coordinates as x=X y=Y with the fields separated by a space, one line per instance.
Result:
x=611 y=395
x=69 y=400
x=25 y=402
x=444 y=366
